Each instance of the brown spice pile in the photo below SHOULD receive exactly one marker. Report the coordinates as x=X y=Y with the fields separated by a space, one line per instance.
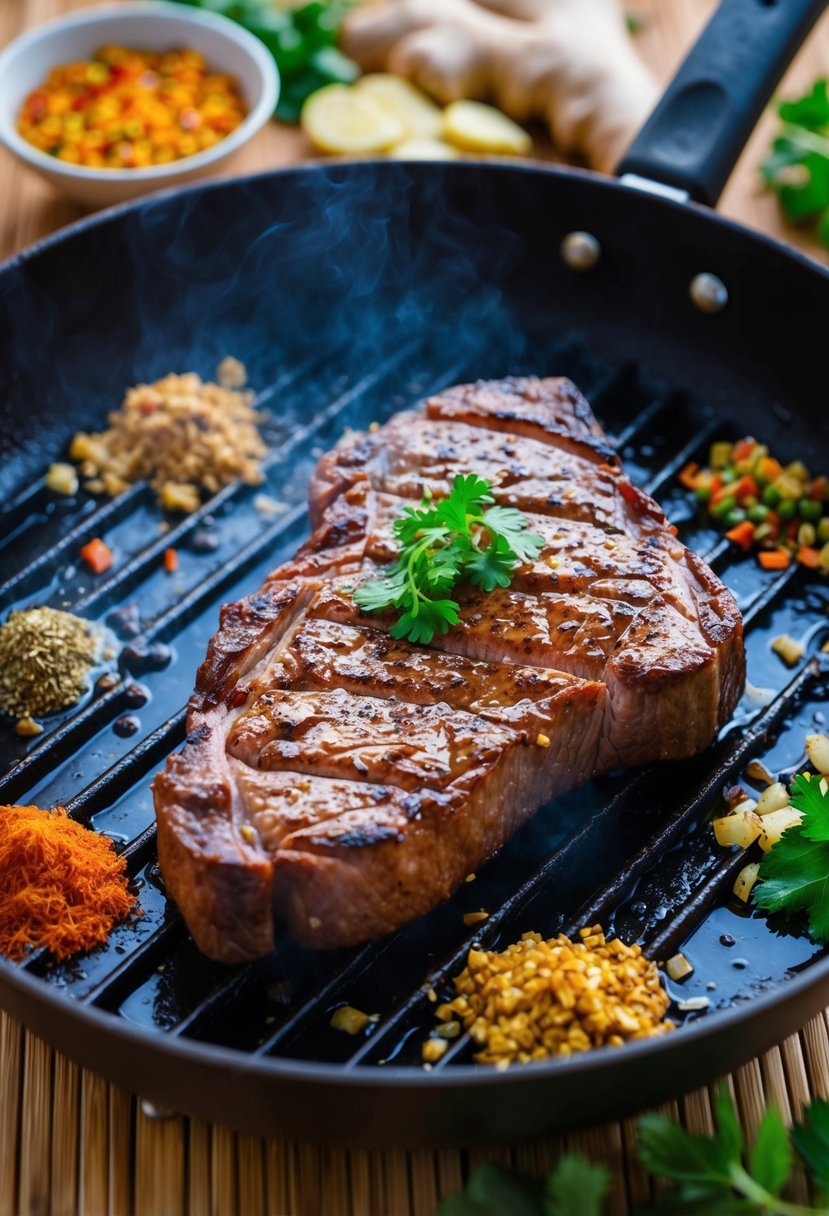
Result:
x=182 y=434
x=551 y=998
x=45 y=659
x=62 y=886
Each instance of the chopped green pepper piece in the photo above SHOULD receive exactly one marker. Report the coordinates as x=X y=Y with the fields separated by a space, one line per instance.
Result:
x=720 y=509
x=808 y=509
x=733 y=517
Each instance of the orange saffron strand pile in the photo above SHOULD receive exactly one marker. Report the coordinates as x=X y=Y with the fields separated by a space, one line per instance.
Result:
x=62 y=886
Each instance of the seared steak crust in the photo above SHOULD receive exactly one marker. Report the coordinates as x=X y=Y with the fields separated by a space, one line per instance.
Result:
x=345 y=782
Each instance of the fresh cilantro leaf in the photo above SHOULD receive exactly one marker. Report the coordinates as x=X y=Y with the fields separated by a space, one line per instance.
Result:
x=424 y=619
x=711 y=1175
x=576 y=1188
x=511 y=524
x=492 y=567
x=495 y=1191
x=794 y=874
x=794 y=877
x=469 y=496
x=796 y=166
x=811 y=1139
x=666 y=1148
x=810 y=111
x=411 y=521
x=687 y=1201
x=806 y=796
x=442 y=542
x=380 y=593
x=446 y=565
x=770 y=1160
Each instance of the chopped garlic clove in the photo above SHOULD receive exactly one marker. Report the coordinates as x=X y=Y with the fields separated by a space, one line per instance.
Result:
x=817 y=749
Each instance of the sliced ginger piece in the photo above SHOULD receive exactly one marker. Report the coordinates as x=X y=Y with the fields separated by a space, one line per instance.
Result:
x=340 y=119
x=416 y=113
x=424 y=149
x=476 y=127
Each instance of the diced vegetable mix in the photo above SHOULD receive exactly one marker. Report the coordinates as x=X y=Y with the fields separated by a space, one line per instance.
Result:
x=97 y=555
x=128 y=109
x=302 y=41
x=781 y=512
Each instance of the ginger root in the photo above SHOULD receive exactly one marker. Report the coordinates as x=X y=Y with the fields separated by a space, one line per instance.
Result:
x=568 y=62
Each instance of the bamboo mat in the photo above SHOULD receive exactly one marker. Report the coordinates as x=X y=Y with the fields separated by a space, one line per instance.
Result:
x=72 y=1145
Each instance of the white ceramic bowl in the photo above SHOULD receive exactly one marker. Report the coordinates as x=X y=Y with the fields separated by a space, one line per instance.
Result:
x=149 y=25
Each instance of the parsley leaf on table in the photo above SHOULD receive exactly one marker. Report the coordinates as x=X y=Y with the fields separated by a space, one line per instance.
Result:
x=770 y=1160
x=811 y=1139
x=797 y=164
x=576 y=1188
x=460 y=537
x=573 y=1187
x=794 y=874
x=495 y=1191
x=713 y=1175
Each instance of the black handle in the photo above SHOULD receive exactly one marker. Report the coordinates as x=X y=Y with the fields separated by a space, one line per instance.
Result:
x=694 y=136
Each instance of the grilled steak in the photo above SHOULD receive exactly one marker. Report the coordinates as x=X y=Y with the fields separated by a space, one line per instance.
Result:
x=344 y=782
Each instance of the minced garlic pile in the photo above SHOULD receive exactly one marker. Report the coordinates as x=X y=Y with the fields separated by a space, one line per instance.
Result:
x=182 y=433
x=551 y=998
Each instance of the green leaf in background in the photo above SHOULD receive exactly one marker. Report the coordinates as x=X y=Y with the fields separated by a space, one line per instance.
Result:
x=495 y=1191
x=576 y=1188
x=811 y=110
x=302 y=41
x=770 y=1160
x=667 y=1149
x=811 y=1139
x=709 y=1173
x=793 y=874
x=796 y=166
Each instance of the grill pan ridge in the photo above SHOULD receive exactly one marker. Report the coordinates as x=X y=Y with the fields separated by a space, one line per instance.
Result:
x=352 y=344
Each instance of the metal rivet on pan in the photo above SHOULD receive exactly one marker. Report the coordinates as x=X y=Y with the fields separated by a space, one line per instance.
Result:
x=151 y=1110
x=580 y=250
x=708 y=292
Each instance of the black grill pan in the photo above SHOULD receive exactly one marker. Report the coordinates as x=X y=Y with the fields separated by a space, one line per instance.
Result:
x=351 y=291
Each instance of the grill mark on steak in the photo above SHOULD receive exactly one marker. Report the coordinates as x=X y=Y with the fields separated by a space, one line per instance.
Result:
x=550 y=411
x=413 y=454
x=348 y=782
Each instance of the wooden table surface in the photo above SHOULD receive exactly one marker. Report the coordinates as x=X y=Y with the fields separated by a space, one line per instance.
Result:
x=71 y=1145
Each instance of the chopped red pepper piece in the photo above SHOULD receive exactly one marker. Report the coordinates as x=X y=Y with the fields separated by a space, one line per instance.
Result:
x=745 y=488
x=743 y=448
x=774 y=559
x=742 y=534
x=808 y=556
x=688 y=476
x=170 y=561
x=97 y=555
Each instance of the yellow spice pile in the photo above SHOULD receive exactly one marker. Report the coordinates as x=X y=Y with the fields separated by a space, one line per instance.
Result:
x=183 y=434
x=551 y=998
x=45 y=660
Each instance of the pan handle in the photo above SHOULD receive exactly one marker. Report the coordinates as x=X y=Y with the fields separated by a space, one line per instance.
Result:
x=697 y=131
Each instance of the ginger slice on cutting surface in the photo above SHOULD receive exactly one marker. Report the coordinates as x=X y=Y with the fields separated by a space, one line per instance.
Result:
x=568 y=62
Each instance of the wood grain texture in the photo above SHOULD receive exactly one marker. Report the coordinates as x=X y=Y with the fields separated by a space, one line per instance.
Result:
x=71 y=1145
